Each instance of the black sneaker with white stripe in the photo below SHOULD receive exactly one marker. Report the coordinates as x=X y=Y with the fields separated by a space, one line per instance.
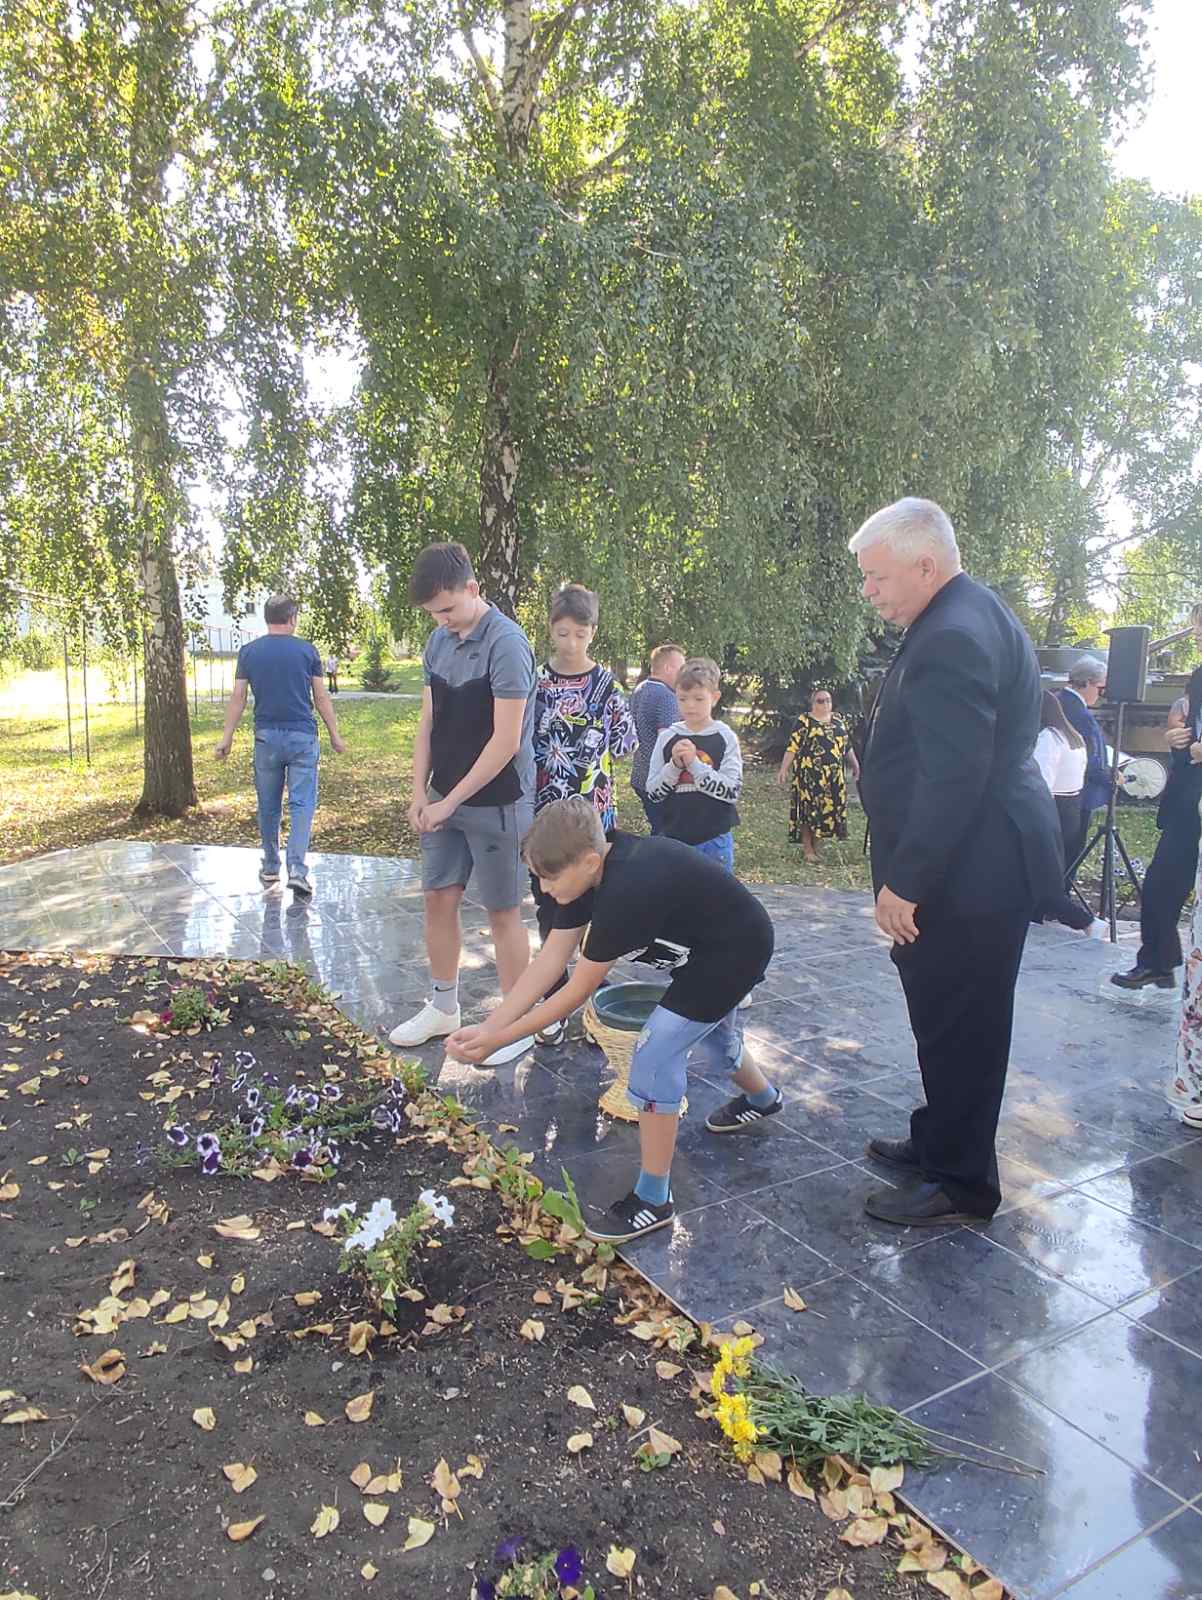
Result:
x=739 y=1113
x=630 y=1219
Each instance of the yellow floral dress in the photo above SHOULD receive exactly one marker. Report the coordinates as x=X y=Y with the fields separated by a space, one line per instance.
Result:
x=818 y=796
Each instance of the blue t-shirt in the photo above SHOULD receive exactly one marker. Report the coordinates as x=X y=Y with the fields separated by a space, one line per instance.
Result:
x=278 y=667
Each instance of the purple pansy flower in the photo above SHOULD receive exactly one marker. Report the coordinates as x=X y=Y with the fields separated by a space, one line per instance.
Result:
x=568 y=1565
x=381 y=1117
x=211 y=1163
x=301 y=1159
x=508 y=1548
x=310 y=1101
x=238 y=1082
x=331 y=1091
x=252 y=1099
x=292 y=1096
x=243 y=1060
x=207 y=1143
x=485 y=1590
x=178 y=1135
x=257 y=1126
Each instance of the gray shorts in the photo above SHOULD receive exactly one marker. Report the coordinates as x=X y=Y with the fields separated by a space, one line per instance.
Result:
x=484 y=844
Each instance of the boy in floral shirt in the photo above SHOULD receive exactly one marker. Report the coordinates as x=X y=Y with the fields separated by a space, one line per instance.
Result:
x=581 y=724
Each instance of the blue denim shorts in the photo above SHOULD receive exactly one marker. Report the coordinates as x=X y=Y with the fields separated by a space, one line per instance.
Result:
x=668 y=1042
x=721 y=850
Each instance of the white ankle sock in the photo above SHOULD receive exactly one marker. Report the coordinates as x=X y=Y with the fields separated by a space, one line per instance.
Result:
x=444 y=997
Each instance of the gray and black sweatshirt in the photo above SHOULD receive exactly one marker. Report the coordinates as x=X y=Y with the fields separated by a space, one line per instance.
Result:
x=699 y=800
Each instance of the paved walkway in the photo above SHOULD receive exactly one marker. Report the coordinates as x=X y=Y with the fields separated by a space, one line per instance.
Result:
x=1068 y=1334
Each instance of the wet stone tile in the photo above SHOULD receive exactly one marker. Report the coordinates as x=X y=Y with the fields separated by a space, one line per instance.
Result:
x=826 y=1212
x=851 y=1340
x=1162 y=1192
x=991 y=1303
x=1174 y=1311
x=1038 y=1531
x=1094 y=1247
x=1161 y=1565
x=717 y=1261
x=1129 y=1389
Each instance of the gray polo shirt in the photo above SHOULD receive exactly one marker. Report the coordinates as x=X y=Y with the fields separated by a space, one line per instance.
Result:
x=465 y=676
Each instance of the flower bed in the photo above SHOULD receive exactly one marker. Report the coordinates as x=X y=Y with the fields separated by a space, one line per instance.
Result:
x=218 y=1377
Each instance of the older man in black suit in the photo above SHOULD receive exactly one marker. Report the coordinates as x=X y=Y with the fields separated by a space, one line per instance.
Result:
x=965 y=844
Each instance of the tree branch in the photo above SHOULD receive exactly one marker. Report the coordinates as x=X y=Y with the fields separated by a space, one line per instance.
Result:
x=554 y=30
x=484 y=74
x=847 y=12
x=599 y=169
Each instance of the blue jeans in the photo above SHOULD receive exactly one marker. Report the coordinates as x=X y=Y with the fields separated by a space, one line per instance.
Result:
x=721 y=850
x=285 y=754
x=669 y=1044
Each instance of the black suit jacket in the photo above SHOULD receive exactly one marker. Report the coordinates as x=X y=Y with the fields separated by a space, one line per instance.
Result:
x=1183 y=792
x=962 y=822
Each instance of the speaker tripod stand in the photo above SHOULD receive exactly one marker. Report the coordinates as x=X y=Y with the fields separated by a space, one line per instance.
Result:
x=1108 y=836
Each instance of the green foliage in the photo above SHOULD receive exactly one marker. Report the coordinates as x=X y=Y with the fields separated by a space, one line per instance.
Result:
x=808 y=1428
x=375 y=675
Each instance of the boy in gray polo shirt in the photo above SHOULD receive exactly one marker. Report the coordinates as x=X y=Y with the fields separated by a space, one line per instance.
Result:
x=473 y=783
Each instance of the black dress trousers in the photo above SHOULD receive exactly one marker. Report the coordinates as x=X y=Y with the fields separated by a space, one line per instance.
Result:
x=1166 y=887
x=959 y=977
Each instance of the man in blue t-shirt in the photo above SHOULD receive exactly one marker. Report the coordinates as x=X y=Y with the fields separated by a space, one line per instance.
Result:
x=653 y=707
x=286 y=676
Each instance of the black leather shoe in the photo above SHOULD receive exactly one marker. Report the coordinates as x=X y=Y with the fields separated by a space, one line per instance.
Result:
x=893 y=1153
x=917 y=1205
x=1141 y=977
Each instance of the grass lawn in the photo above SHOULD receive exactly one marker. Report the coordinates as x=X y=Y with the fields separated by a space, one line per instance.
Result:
x=48 y=802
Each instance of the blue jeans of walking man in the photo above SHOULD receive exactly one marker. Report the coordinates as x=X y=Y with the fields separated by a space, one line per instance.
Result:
x=285 y=755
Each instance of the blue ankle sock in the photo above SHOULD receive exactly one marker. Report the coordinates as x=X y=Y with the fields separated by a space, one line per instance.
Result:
x=652 y=1188
x=765 y=1098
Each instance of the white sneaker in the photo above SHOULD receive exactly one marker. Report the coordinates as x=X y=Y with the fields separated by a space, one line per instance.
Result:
x=429 y=1023
x=509 y=1052
x=744 y=1004
x=1191 y=1114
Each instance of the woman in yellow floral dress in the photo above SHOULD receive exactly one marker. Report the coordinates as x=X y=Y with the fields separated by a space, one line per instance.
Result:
x=819 y=754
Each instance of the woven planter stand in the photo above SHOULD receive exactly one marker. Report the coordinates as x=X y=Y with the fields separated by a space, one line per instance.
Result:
x=618 y=1045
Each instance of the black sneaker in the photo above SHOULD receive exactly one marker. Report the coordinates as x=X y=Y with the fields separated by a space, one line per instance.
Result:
x=300 y=886
x=630 y=1219
x=739 y=1113
x=268 y=879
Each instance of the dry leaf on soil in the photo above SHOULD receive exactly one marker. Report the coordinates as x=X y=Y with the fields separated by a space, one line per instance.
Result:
x=359 y=1409
x=794 y=1301
x=579 y=1396
x=375 y=1511
x=634 y=1417
x=204 y=1418
x=314 y=1419
x=240 y=1475
x=950 y=1584
x=885 y=1479
x=237 y=1531
x=865 y=1531
x=359 y=1336
x=620 y=1561
x=362 y=1475
x=991 y=1589
x=798 y=1485
x=107 y=1368
x=662 y=1444
x=239 y=1227
x=326 y=1520
x=369 y=1570
x=579 y=1442
x=532 y=1329
x=420 y=1533
x=26 y=1414
x=307 y=1297
x=667 y=1369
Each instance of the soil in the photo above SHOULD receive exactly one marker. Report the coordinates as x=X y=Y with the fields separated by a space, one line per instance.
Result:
x=120 y=1492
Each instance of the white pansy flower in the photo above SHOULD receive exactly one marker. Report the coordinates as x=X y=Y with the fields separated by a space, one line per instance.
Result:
x=439 y=1205
x=346 y=1209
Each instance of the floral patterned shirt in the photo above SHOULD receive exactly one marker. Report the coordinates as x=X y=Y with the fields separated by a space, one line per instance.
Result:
x=581 y=723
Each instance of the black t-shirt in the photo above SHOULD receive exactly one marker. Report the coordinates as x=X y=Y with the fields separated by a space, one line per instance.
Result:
x=657 y=888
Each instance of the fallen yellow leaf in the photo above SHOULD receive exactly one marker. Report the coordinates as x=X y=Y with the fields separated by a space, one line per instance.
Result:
x=237 y=1531
x=885 y=1479
x=375 y=1511
x=950 y=1584
x=240 y=1475
x=865 y=1531
x=620 y=1562
x=314 y=1419
x=579 y=1442
x=798 y=1485
x=326 y=1520
x=369 y=1570
x=579 y=1396
x=359 y=1336
x=793 y=1300
x=26 y=1414
x=634 y=1417
x=204 y=1418
x=359 y=1409
x=662 y=1444
x=361 y=1476
x=307 y=1297
x=107 y=1368
x=991 y=1589
x=532 y=1329
x=667 y=1369
x=420 y=1533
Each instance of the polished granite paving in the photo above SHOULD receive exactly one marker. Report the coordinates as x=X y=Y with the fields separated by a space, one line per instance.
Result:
x=1066 y=1336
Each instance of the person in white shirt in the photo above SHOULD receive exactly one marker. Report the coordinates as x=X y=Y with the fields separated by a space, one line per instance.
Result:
x=1060 y=754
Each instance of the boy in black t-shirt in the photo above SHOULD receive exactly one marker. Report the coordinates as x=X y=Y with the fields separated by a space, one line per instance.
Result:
x=621 y=894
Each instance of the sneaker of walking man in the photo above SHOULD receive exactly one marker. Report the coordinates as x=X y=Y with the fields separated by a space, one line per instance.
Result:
x=286 y=677
x=473 y=784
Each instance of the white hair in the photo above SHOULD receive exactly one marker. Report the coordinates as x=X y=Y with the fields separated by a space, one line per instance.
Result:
x=1085 y=671
x=911 y=528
